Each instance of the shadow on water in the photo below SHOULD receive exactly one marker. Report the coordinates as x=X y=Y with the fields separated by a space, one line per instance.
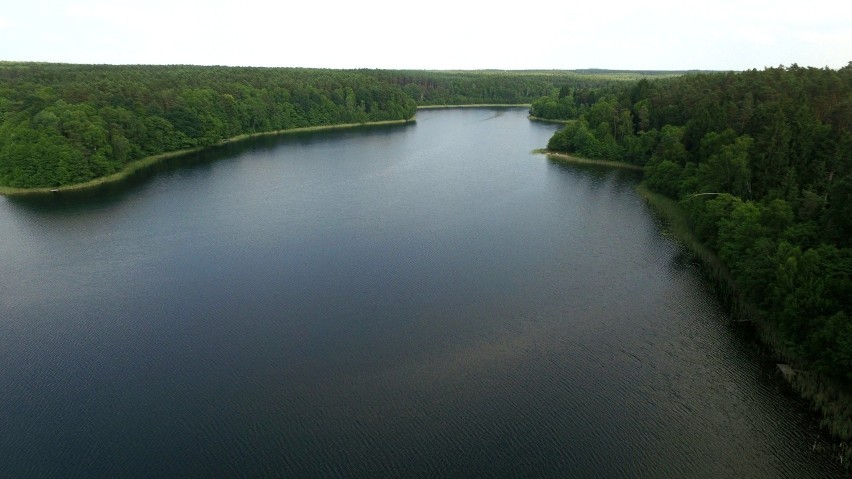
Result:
x=121 y=190
x=497 y=113
x=596 y=175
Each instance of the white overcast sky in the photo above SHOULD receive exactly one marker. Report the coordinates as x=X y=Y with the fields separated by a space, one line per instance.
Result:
x=432 y=34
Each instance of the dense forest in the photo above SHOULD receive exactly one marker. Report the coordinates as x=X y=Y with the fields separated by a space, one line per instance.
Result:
x=65 y=124
x=501 y=87
x=760 y=163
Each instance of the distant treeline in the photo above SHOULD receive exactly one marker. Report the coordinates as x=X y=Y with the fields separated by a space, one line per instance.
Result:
x=64 y=124
x=760 y=162
x=492 y=86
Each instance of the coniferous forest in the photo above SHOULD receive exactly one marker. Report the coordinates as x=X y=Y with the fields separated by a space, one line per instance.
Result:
x=759 y=162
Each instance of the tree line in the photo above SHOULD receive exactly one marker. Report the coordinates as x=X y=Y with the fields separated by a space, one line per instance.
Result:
x=760 y=162
x=496 y=86
x=62 y=124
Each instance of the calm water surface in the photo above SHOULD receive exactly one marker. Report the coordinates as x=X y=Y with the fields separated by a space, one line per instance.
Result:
x=424 y=300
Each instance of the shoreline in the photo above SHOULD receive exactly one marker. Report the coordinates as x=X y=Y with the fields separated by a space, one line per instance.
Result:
x=147 y=161
x=827 y=397
x=476 y=105
x=549 y=120
x=566 y=158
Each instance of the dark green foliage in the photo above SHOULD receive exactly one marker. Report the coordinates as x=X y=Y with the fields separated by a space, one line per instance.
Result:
x=839 y=214
x=665 y=177
x=726 y=169
x=65 y=124
x=551 y=107
x=761 y=163
x=500 y=87
x=670 y=146
x=577 y=137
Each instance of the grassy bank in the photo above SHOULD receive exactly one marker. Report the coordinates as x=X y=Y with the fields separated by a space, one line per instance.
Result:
x=143 y=163
x=830 y=398
x=550 y=120
x=566 y=158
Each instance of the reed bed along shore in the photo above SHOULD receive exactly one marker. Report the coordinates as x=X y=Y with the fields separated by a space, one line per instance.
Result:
x=829 y=397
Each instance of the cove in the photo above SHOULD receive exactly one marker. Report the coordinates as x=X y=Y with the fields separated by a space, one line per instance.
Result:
x=423 y=300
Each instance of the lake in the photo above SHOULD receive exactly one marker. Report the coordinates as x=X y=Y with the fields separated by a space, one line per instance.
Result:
x=418 y=300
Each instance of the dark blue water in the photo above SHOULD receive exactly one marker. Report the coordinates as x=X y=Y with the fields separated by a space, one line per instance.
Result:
x=424 y=300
